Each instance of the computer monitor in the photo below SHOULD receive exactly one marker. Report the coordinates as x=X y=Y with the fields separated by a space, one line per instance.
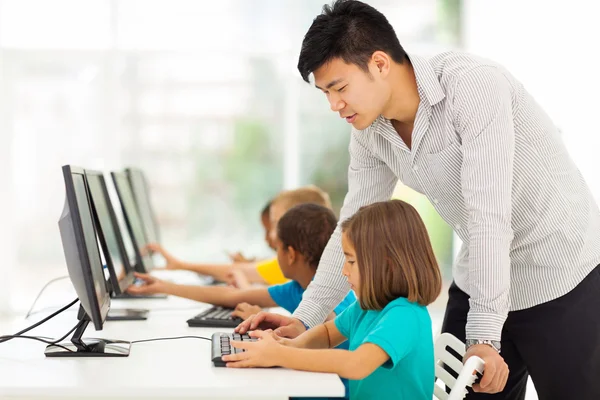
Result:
x=141 y=194
x=80 y=245
x=115 y=254
x=133 y=221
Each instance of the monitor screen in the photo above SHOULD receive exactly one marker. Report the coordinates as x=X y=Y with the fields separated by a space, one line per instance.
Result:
x=109 y=230
x=80 y=246
x=133 y=219
x=141 y=194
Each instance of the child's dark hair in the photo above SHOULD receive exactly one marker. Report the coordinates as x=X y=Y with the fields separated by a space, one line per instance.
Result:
x=394 y=255
x=307 y=228
x=350 y=30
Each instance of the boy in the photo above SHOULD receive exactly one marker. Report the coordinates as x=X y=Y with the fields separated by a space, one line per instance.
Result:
x=268 y=271
x=300 y=238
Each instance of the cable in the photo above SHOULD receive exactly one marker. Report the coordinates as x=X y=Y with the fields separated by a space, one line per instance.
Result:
x=171 y=338
x=66 y=334
x=42 y=321
x=42 y=291
x=9 y=337
x=40 y=338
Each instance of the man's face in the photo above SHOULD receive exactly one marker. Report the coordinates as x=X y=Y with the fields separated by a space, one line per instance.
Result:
x=354 y=94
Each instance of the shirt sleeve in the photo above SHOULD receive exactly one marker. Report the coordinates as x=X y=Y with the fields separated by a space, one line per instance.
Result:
x=347 y=302
x=345 y=320
x=369 y=180
x=269 y=270
x=396 y=333
x=484 y=121
x=286 y=295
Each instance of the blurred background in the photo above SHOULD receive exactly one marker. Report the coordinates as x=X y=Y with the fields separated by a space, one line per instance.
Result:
x=205 y=97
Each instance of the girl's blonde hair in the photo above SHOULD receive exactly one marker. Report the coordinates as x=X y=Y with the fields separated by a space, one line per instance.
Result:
x=394 y=255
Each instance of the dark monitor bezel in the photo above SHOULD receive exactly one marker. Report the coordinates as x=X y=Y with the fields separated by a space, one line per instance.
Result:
x=132 y=175
x=98 y=311
x=118 y=287
x=141 y=265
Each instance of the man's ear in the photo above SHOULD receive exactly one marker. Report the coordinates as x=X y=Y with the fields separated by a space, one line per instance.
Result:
x=381 y=62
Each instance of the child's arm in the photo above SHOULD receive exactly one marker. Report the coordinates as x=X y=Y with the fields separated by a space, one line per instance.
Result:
x=357 y=364
x=223 y=272
x=218 y=295
x=239 y=279
x=220 y=272
x=324 y=336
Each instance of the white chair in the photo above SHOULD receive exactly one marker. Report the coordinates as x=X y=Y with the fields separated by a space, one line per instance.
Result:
x=466 y=373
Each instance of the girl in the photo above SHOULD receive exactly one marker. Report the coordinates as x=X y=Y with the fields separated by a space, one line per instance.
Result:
x=390 y=265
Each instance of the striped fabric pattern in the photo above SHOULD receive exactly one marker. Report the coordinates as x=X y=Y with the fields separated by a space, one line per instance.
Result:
x=493 y=165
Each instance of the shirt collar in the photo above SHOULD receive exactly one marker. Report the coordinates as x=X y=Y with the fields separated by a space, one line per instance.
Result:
x=428 y=83
x=430 y=93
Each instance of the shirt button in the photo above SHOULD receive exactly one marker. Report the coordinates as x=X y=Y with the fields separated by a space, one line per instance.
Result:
x=415 y=168
x=436 y=201
x=457 y=226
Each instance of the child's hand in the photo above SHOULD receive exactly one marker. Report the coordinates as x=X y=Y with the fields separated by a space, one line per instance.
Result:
x=244 y=310
x=151 y=285
x=172 y=262
x=266 y=352
x=237 y=279
x=270 y=332
x=239 y=258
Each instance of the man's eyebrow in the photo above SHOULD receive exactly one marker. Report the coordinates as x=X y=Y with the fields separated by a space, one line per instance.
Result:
x=331 y=84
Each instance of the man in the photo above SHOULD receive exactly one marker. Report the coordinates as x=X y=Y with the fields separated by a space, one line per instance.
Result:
x=463 y=131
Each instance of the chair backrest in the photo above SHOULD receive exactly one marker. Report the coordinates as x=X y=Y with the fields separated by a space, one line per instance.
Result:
x=444 y=359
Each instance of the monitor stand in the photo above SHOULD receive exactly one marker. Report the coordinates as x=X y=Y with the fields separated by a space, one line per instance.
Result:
x=79 y=347
x=127 y=314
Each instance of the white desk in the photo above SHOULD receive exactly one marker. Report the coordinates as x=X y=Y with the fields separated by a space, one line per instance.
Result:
x=163 y=369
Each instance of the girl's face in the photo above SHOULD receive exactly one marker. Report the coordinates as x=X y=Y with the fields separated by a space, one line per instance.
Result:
x=350 y=269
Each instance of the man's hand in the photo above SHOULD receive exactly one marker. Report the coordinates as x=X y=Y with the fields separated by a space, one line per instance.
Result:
x=151 y=285
x=283 y=326
x=172 y=262
x=495 y=373
x=245 y=310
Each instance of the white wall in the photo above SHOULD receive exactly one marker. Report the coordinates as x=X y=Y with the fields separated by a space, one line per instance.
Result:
x=552 y=46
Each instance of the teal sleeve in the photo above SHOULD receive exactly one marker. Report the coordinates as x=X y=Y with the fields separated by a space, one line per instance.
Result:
x=396 y=333
x=344 y=321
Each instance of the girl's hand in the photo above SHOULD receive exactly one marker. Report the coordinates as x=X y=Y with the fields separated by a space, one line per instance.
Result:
x=265 y=352
x=277 y=338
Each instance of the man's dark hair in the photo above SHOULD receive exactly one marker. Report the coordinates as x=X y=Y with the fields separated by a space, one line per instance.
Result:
x=350 y=30
x=307 y=228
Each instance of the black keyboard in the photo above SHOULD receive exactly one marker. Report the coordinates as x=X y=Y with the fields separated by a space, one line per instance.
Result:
x=218 y=317
x=221 y=346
